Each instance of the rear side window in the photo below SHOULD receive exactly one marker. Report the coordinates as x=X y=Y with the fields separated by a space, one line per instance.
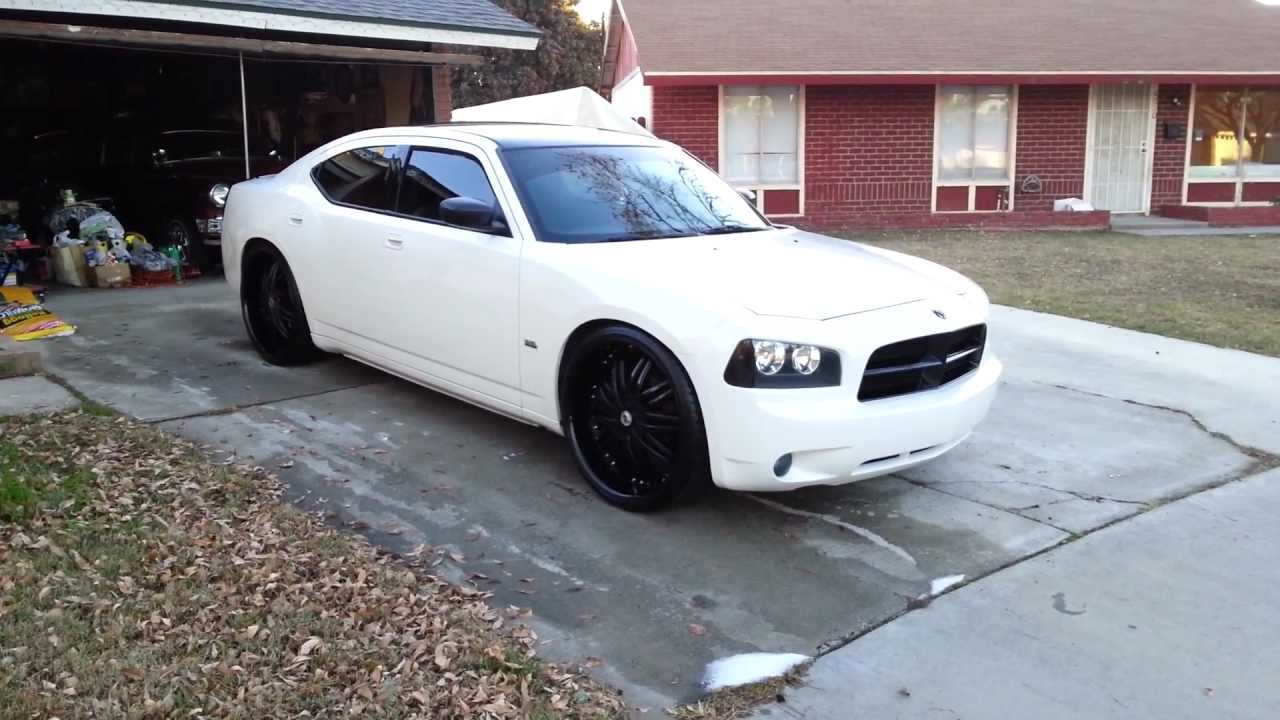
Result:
x=436 y=175
x=365 y=178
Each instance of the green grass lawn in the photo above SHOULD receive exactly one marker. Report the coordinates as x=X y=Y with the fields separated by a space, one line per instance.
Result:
x=1223 y=291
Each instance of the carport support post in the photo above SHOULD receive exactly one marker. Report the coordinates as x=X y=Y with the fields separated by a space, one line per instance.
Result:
x=244 y=117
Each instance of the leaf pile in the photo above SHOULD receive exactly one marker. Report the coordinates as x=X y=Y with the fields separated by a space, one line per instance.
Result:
x=138 y=580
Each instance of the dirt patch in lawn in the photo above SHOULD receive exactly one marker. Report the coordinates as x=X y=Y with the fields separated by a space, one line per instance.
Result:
x=138 y=580
x=1223 y=291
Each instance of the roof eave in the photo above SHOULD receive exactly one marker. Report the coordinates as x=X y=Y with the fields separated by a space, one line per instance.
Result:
x=285 y=22
x=930 y=77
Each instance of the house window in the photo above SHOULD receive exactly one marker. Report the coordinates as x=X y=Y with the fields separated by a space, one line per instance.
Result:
x=761 y=143
x=1234 y=153
x=974 y=147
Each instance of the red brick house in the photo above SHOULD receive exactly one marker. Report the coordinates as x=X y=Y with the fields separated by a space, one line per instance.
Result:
x=925 y=113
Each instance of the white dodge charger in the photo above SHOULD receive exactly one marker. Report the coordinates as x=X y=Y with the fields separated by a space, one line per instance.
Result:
x=613 y=289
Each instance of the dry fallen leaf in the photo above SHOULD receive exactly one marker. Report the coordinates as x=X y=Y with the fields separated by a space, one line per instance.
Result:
x=308 y=646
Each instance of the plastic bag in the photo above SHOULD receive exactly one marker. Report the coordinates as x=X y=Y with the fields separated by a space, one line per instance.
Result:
x=22 y=317
x=59 y=219
x=102 y=224
x=147 y=257
x=64 y=239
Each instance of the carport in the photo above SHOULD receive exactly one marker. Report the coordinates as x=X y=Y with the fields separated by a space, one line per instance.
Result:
x=295 y=74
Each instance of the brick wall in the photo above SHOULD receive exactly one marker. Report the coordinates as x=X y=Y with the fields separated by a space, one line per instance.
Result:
x=1053 y=122
x=1171 y=155
x=442 y=91
x=868 y=149
x=689 y=117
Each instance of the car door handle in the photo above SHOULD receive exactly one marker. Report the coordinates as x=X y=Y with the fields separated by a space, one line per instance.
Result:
x=295 y=220
x=395 y=244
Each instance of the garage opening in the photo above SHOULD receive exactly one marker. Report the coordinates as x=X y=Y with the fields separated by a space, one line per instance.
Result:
x=125 y=130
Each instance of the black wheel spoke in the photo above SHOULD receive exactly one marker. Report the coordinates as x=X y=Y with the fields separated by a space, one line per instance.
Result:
x=640 y=372
x=608 y=396
x=661 y=422
x=655 y=447
x=656 y=393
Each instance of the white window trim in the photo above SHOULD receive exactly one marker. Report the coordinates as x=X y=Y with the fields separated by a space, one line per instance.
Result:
x=1238 y=181
x=973 y=185
x=800 y=141
x=1154 y=108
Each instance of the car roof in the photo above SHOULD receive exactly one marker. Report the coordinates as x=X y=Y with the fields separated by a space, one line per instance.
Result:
x=511 y=135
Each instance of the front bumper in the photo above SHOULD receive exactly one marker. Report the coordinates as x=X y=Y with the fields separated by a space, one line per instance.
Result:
x=834 y=439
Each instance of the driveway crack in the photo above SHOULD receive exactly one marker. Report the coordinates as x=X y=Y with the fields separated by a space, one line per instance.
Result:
x=1266 y=458
x=1076 y=494
x=230 y=409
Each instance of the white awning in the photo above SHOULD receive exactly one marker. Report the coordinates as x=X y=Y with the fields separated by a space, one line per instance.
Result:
x=577 y=106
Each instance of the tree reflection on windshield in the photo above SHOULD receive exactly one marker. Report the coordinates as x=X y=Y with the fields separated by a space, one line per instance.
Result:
x=607 y=193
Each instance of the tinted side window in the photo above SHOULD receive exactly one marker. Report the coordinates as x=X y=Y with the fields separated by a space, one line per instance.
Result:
x=364 y=177
x=435 y=175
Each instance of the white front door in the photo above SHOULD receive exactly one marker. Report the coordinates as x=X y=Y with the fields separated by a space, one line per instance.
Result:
x=1121 y=122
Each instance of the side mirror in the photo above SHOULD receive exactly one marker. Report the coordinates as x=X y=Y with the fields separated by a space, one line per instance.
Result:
x=467 y=212
x=158 y=156
x=749 y=196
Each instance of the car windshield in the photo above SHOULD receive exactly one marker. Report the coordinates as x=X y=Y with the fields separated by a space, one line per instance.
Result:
x=203 y=144
x=584 y=194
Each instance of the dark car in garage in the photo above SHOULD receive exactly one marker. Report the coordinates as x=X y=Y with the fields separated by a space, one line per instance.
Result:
x=173 y=184
x=169 y=184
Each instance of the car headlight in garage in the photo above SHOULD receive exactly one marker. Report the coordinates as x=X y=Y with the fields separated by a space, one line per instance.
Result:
x=218 y=194
x=778 y=364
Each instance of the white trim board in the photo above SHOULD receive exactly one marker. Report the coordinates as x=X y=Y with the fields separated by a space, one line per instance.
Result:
x=279 y=22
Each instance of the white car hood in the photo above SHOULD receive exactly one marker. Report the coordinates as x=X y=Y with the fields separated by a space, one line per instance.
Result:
x=785 y=272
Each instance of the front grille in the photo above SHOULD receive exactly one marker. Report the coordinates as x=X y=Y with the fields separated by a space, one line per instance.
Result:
x=922 y=363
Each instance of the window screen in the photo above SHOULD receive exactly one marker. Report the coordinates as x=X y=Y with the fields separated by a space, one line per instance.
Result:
x=433 y=176
x=364 y=177
x=761 y=134
x=973 y=132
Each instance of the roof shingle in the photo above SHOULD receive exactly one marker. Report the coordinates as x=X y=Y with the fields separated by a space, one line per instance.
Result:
x=949 y=36
x=462 y=14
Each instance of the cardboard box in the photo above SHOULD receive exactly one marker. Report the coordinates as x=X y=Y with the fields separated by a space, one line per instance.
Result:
x=69 y=267
x=112 y=276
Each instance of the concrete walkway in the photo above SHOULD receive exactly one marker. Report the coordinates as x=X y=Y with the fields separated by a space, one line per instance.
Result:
x=1169 y=615
x=1156 y=226
x=34 y=394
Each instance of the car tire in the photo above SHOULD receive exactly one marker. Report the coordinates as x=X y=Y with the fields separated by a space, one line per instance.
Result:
x=633 y=420
x=272 y=310
x=182 y=233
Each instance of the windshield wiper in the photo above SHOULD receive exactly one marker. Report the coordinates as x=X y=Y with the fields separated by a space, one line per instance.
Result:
x=727 y=229
x=642 y=236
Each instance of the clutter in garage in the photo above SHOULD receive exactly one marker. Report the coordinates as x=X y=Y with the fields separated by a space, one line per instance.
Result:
x=90 y=247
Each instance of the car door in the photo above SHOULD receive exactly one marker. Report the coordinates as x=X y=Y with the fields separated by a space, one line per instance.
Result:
x=451 y=291
x=344 y=223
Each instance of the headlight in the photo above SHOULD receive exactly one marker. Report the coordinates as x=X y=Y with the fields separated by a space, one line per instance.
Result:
x=218 y=194
x=776 y=364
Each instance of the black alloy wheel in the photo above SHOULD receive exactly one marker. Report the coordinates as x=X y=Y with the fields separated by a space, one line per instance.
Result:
x=272 y=311
x=634 y=422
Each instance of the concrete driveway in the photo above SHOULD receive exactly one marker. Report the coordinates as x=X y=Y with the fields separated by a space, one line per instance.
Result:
x=1093 y=425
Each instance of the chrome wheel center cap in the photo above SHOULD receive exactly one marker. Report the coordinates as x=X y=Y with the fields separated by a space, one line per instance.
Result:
x=625 y=418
